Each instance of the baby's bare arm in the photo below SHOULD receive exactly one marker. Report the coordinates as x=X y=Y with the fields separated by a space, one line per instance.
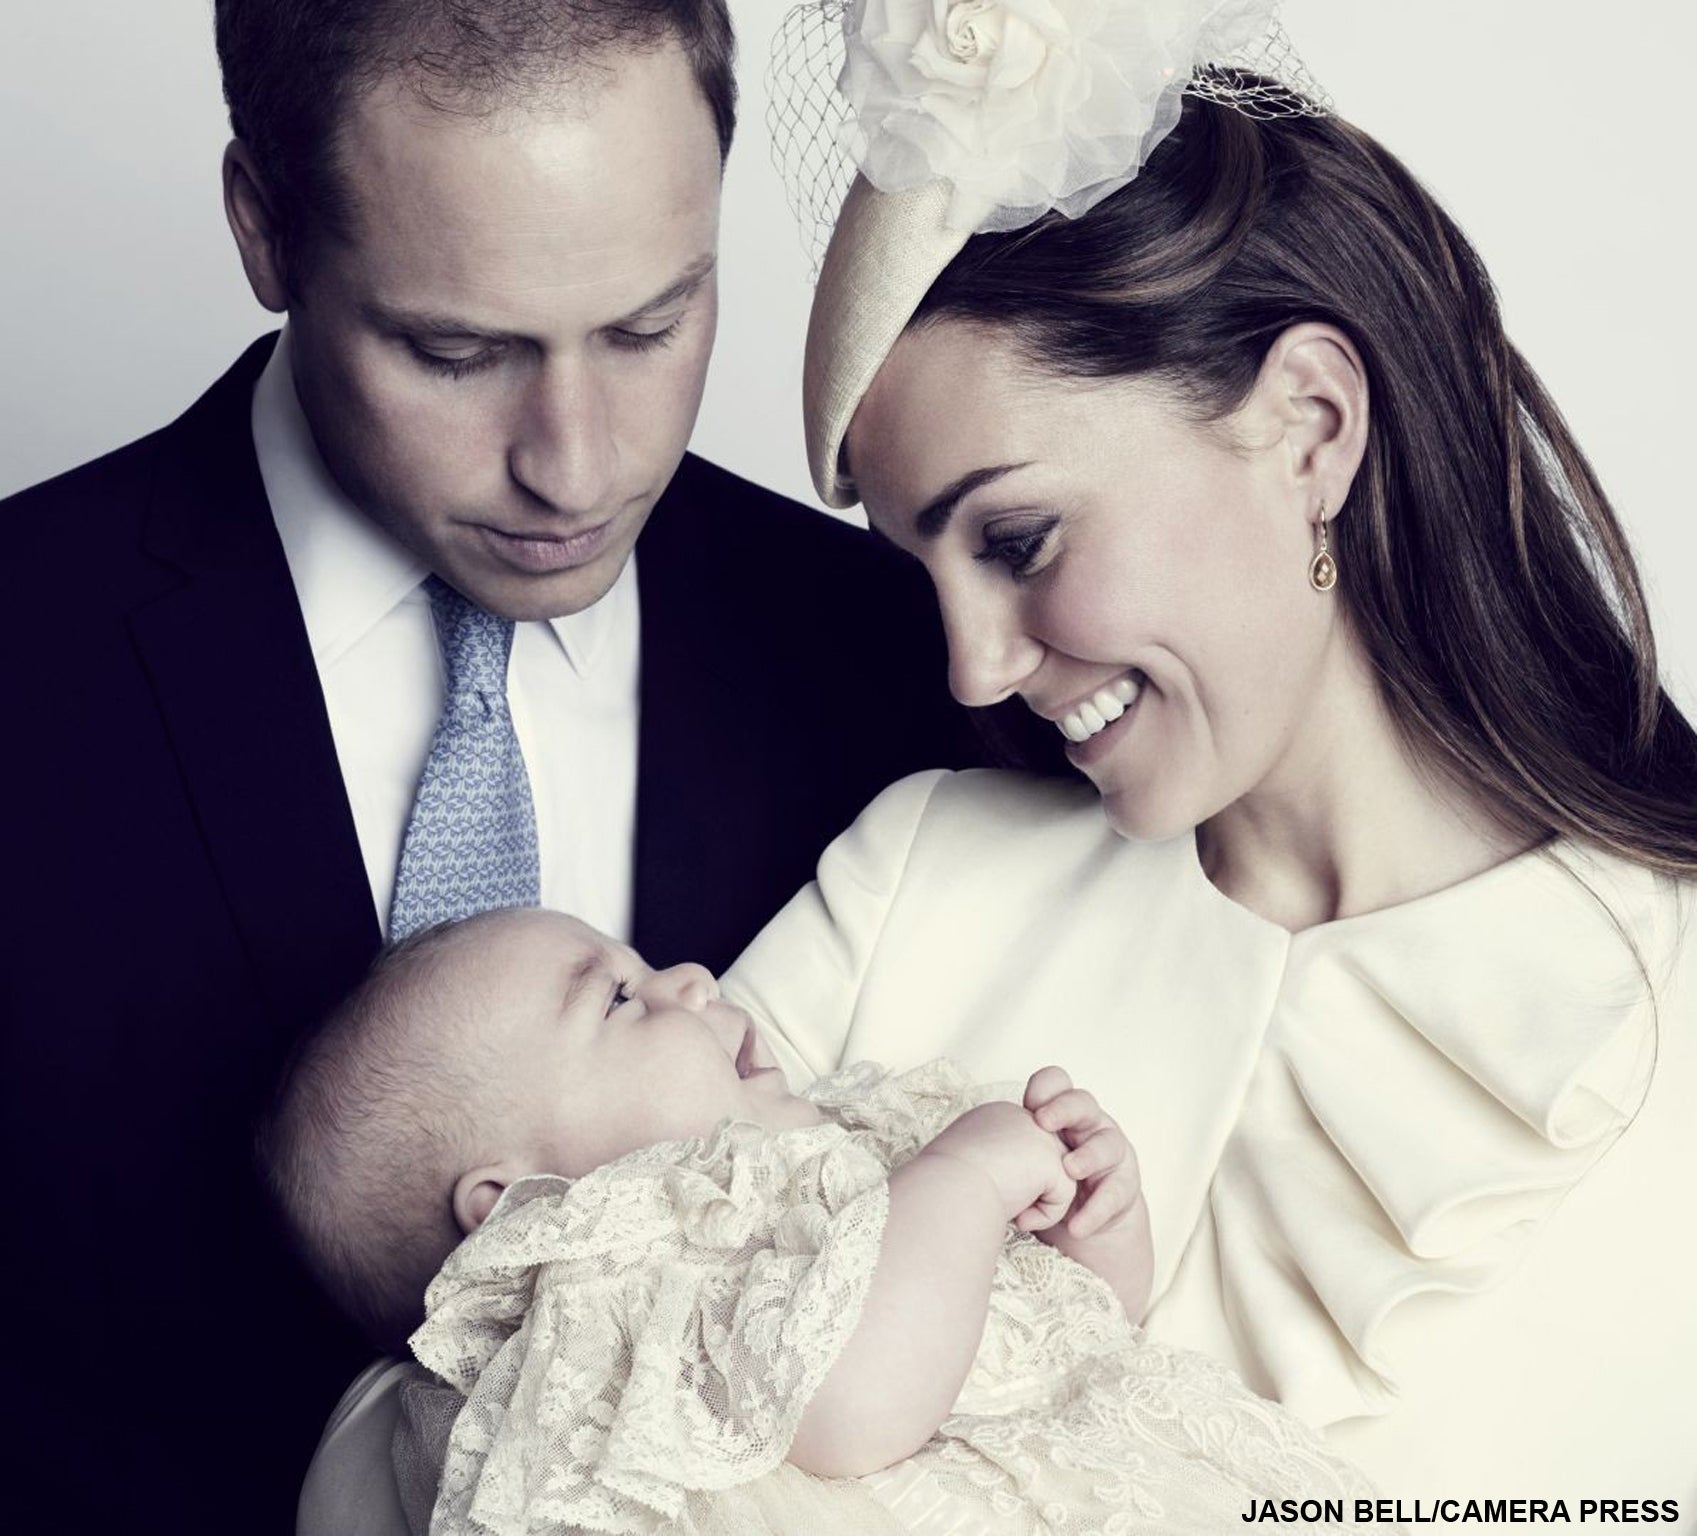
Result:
x=924 y=1313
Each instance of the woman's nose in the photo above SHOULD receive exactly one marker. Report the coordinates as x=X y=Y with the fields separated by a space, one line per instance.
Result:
x=688 y=986
x=990 y=653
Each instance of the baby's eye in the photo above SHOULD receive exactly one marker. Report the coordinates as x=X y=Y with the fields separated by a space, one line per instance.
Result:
x=620 y=995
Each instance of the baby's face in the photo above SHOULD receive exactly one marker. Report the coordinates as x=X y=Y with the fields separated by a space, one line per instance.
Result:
x=607 y=1054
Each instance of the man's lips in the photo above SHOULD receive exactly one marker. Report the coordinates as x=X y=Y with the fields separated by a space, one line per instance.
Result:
x=542 y=553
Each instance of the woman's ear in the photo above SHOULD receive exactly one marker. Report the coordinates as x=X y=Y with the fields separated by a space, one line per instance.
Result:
x=1316 y=384
x=253 y=222
x=475 y=1194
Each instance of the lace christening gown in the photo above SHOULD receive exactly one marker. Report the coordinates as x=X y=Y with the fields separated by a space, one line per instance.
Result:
x=637 y=1348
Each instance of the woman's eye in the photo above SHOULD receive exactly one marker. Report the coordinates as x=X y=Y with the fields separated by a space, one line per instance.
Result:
x=621 y=995
x=456 y=365
x=1019 y=549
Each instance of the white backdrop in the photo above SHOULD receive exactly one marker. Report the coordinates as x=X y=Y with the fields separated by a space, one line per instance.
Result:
x=1541 y=123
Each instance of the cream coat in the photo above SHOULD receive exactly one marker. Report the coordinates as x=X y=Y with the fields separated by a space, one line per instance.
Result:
x=1385 y=1158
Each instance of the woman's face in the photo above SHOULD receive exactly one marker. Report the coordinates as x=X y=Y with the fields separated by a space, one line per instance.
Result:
x=1095 y=550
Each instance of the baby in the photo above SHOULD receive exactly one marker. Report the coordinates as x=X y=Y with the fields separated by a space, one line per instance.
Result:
x=679 y=1296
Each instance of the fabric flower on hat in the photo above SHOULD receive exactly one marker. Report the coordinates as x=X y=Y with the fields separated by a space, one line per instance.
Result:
x=1022 y=106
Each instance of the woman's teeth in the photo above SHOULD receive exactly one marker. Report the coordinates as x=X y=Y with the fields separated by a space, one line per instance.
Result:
x=1100 y=710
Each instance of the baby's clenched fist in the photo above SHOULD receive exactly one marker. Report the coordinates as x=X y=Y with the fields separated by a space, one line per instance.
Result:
x=1106 y=1228
x=1022 y=1161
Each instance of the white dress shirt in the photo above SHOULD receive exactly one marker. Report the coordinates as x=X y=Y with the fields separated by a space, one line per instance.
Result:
x=571 y=681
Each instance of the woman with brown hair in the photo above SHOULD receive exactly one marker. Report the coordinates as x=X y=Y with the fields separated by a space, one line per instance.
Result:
x=1372 y=921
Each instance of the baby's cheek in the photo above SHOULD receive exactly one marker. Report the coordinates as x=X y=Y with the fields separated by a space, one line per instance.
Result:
x=696 y=1093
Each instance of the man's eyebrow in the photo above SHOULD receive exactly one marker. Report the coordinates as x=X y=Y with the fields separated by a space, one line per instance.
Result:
x=934 y=516
x=423 y=322
x=693 y=277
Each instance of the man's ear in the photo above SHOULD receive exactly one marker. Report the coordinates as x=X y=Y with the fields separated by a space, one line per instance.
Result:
x=254 y=224
x=1318 y=387
x=475 y=1194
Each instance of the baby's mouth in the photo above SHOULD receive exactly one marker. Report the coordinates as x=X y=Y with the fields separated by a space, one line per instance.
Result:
x=745 y=1051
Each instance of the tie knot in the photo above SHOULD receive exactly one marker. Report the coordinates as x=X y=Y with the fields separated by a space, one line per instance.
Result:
x=475 y=644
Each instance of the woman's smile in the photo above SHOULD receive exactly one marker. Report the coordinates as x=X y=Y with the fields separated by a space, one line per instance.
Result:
x=1092 y=716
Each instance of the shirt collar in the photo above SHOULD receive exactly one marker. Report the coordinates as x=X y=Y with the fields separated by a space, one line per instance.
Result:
x=349 y=573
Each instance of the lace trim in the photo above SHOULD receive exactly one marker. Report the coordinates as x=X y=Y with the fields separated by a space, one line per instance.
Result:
x=649 y=1335
x=656 y=1327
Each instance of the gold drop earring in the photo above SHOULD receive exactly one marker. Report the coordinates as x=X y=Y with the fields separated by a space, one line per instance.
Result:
x=1322 y=569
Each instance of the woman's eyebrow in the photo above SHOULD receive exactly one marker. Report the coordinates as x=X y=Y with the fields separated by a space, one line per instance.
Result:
x=931 y=519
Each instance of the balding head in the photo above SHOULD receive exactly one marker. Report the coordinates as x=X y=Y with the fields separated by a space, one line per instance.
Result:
x=294 y=69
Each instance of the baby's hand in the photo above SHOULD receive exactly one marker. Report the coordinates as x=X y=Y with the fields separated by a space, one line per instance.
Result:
x=1022 y=1162
x=1106 y=1227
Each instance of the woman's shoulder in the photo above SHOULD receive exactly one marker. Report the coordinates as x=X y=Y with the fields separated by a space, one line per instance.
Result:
x=956 y=897
x=992 y=814
x=979 y=792
x=1606 y=926
x=1559 y=910
x=1653 y=913
x=1547 y=980
x=992 y=844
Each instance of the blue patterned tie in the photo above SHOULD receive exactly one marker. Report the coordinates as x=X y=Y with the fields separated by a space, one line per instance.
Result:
x=471 y=841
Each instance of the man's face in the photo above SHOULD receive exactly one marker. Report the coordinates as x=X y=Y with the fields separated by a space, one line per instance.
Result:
x=503 y=361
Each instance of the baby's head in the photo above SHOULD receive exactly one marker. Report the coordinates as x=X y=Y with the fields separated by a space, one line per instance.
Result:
x=514 y=1043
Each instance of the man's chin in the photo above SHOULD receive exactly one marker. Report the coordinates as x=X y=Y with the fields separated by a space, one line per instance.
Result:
x=557 y=596
x=548 y=597
x=503 y=587
x=537 y=579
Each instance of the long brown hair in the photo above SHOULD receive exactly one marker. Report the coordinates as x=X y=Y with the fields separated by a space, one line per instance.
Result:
x=1486 y=574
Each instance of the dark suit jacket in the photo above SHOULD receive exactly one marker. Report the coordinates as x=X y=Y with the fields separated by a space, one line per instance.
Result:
x=185 y=892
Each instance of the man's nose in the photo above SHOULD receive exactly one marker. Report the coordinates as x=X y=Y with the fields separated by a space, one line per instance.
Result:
x=990 y=652
x=688 y=986
x=562 y=448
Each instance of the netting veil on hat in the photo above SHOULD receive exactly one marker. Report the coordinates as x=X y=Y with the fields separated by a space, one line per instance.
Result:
x=904 y=127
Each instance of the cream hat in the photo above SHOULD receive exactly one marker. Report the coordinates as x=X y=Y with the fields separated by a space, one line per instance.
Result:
x=887 y=250
x=968 y=116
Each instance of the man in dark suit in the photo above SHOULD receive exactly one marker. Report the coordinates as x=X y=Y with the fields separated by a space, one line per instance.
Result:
x=492 y=228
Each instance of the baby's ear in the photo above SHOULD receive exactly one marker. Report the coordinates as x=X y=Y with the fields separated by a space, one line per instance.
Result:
x=475 y=1195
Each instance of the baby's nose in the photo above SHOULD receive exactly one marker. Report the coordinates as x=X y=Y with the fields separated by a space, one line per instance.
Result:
x=687 y=985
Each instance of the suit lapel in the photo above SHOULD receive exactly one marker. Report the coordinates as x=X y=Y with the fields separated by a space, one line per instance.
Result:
x=710 y=752
x=227 y=654
x=694 y=776
x=673 y=839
